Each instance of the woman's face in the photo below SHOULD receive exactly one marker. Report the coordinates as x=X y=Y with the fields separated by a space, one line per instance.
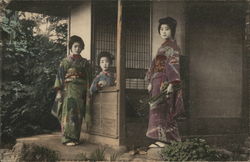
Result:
x=104 y=63
x=76 y=48
x=165 y=31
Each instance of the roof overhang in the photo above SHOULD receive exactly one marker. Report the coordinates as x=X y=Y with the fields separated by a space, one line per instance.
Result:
x=62 y=7
x=48 y=7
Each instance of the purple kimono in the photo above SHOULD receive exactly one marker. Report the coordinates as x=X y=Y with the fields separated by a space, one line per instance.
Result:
x=164 y=68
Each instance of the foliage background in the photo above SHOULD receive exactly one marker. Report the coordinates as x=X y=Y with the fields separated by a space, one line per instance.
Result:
x=29 y=60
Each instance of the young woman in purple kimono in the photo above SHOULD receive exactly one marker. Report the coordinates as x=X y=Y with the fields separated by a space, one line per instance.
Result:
x=164 y=76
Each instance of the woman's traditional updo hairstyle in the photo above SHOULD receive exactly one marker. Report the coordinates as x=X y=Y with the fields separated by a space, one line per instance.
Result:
x=105 y=54
x=74 y=39
x=170 y=22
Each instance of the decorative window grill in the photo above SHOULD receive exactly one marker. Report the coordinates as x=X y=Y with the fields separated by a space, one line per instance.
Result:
x=137 y=43
x=104 y=29
x=136 y=37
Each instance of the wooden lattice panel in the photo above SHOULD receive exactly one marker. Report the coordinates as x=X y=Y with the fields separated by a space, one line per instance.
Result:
x=105 y=113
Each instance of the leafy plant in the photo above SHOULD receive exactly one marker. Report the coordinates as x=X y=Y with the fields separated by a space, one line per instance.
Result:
x=191 y=150
x=98 y=154
x=29 y=63
x=114 y=156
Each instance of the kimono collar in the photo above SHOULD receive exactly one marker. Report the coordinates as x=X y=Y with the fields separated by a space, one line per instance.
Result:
x=105 y=72
x=75 y=56
x=169 y=42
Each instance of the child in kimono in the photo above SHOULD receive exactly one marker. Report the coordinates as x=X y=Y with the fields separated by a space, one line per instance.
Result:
x=105 y=78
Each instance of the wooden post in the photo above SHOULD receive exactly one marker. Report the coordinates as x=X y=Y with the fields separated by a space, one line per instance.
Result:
x=246 y=67
x=68 y=29
x=120 y=69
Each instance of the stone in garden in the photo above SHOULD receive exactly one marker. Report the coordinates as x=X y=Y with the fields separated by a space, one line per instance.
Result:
x=154 y=153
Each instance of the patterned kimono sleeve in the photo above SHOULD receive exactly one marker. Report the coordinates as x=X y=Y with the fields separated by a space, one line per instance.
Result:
x=60 y=77
x=88 y=97
x=93 y=87
x=150 y=71
x=173 y=72
x=173 y=67
x=58 y=104
x=88 y=73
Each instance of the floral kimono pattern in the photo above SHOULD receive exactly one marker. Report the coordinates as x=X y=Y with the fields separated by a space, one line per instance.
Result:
x=73 y=79
x=106 y=77
x=165 y=68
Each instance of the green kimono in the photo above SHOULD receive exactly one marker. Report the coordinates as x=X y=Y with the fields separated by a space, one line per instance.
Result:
x=73 y=79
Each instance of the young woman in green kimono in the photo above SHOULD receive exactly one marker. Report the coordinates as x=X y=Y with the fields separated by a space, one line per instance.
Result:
x=72 y=85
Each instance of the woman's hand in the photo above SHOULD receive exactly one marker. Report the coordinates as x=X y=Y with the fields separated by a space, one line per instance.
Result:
x=59 y=95
x=149 y=87
x=164 y=86
x=170 y=89
x=102 y=83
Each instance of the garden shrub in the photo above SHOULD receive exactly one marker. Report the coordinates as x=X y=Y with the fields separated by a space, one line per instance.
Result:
x=29 y=63
x=191 y=150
